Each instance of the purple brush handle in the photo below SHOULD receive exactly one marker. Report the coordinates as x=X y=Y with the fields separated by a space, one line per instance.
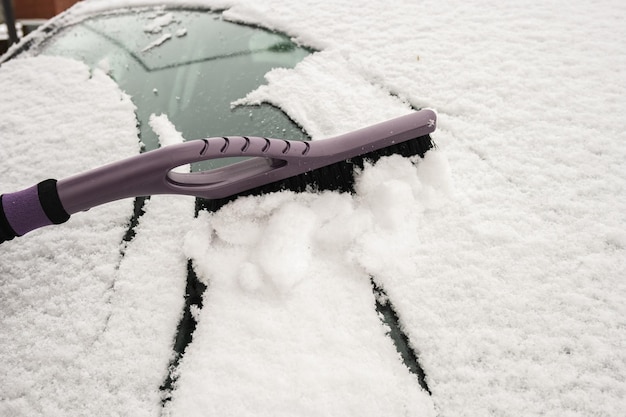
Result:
x=151 y=173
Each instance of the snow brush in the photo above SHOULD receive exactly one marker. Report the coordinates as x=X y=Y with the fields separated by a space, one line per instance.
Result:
x=272 y=165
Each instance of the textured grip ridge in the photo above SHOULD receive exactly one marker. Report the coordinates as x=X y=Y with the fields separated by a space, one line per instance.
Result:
x=30 y=209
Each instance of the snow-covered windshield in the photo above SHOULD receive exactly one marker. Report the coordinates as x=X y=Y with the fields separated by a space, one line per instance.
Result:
x=503 y=252
x=188 y=64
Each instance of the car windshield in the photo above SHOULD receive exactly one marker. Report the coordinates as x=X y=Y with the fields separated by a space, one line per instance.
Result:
x=188 y=64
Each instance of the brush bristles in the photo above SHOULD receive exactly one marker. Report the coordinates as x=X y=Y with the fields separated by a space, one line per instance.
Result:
x=336 y=177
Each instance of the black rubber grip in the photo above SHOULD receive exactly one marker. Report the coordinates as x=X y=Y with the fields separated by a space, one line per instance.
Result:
x=50 y=201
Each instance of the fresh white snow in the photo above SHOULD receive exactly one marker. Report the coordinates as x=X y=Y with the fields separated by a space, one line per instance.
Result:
x=503 y=251
x=289 y=325
x=157 y=42
x=158 y=22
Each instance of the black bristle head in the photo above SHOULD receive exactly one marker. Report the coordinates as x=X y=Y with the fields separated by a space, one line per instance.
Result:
x=335 y=177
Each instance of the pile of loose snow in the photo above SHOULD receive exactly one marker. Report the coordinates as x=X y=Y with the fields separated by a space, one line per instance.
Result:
x=506 y=268
x=289 y=325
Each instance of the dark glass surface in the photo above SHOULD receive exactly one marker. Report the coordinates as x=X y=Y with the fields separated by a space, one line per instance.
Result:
x=193 y=76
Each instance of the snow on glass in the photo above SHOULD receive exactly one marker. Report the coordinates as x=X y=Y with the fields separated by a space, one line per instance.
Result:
x=502 y=251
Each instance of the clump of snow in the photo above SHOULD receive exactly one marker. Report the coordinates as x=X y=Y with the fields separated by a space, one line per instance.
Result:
x=157 y=42
x=159 y=21
x=289 y=310
x=165 y=130
x=157 y=24
x=167 y=134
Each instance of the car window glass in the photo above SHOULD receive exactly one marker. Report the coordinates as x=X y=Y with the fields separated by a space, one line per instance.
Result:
x=190 y=65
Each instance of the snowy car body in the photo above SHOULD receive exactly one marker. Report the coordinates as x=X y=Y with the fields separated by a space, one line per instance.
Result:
x=190 y=65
